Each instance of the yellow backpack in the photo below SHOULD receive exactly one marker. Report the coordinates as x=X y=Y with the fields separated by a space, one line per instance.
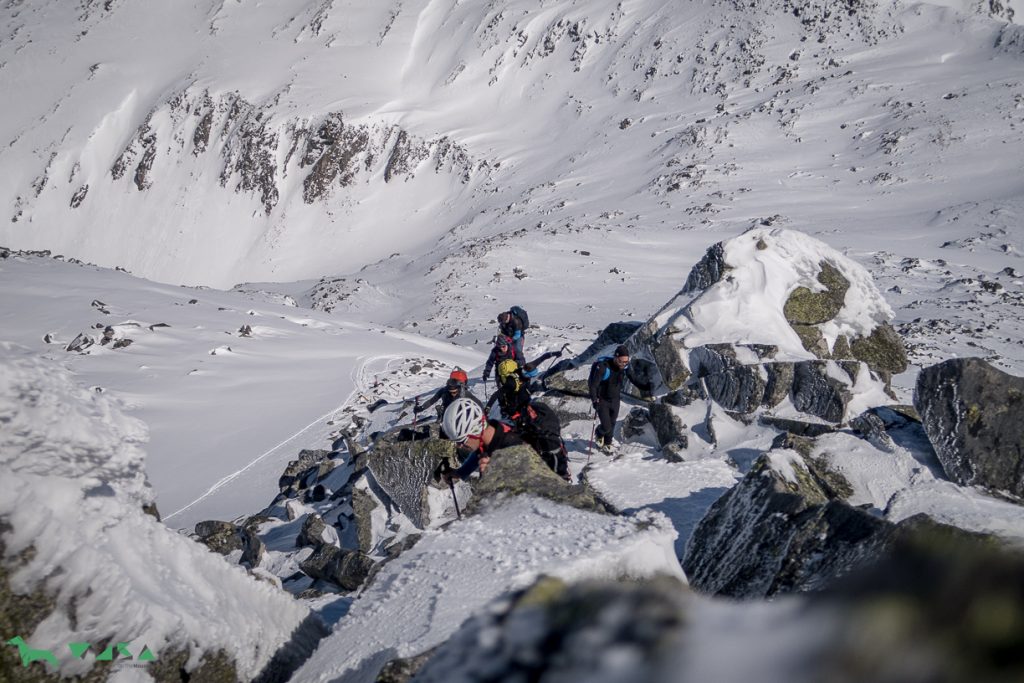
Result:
x=508 y=368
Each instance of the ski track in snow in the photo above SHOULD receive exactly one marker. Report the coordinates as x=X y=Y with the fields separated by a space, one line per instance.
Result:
x=359 y=375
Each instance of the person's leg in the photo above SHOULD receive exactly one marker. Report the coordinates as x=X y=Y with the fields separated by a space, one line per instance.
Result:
x=607 y=426
x=613 y=415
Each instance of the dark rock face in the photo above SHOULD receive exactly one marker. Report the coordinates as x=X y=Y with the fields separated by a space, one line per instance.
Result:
x=310 y=534
x=816 y=393
x=614 y=333
x=519 y=470
x=363 y=505
x=796 y=427
x=778 y=384
x=781 y=529
x=346 y=568
x=302 y=472
x=736 y=387
x=667 y=356
x=708 y=270
x=972 y=415
x=636 y=423
x=668 y=426
x=225 y=537
x=405 y=469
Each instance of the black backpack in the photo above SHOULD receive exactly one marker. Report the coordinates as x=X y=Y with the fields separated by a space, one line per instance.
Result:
x=520 y=313
x=542 y=429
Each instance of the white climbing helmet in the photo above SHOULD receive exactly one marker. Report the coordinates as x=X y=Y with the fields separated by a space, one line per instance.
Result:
x=463 y=418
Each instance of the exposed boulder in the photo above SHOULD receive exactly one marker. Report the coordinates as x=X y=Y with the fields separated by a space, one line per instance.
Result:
x=304 y=471
x=778 y=384
x=669 y=427
x=637 y=425
x=225 y=538
x=363 y=505
x=220 y=537
x=971 y=413
x=345 y=568
x=312 y=531
x=405 y=469
x=882 y=350
x=668 y=355
x=949 y=597
x=519 y=470
x=816 y=392
x=611 y=335
x=782 y=528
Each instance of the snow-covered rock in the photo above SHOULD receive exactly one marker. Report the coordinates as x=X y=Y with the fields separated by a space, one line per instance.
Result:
x=82 y=562
x=972 y=412
x=743 y=321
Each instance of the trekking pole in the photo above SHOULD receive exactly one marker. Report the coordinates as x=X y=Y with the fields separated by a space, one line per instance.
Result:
x=451 y=485
x=593 y=430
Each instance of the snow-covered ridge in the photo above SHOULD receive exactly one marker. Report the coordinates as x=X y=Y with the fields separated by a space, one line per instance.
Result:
x=74 y=529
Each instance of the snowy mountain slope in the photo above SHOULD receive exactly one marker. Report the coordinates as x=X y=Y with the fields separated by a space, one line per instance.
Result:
x=715 y=115
x=269 y=394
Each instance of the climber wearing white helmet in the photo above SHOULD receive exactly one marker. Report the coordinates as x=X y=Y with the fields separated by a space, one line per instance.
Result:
x=464 y=423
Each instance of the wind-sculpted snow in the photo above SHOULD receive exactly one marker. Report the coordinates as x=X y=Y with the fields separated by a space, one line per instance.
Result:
x=98 y=569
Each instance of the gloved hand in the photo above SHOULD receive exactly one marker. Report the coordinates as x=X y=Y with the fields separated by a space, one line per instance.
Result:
x=416 y=410
x=596 y=402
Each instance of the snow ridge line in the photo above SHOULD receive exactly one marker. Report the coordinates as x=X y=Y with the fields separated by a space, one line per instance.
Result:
x=358 y=387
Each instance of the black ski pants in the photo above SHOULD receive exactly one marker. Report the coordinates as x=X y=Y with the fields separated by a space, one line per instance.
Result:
x=607 y=413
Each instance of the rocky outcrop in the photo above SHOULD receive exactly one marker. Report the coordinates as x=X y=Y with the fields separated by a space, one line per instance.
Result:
x=344 y=568
x=783 y=528
x=258 y=149
x=405 y=469
x=734 y=386
x=304 y=471
x=708 y=270
x=818 y=393
x=971 y=413
x=225 y=538
x=948 y=597
x=669 y=427
x=520 y=471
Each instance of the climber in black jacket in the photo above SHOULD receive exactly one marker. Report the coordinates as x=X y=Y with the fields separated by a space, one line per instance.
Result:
x=606 y=375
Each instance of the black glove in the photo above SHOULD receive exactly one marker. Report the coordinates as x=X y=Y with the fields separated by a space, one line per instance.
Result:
x=596 y=402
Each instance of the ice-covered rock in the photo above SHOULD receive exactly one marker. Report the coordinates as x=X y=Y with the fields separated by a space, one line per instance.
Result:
x=972 y=412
